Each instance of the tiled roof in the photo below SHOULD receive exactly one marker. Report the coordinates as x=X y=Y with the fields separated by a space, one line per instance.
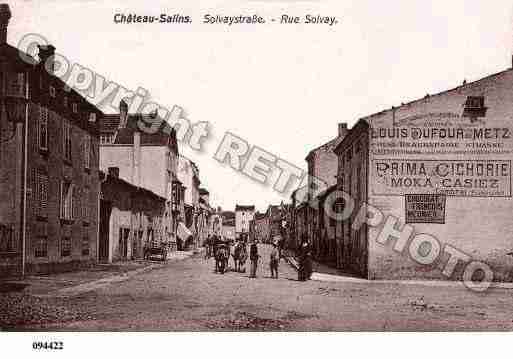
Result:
x=244 y=208
x=158 y=132
x=109 y=123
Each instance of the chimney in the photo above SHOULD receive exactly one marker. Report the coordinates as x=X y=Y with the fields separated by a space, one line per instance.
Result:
x=46 y=55
x=123 y=114
x=5 y=15
x=342 y=129
x=114 y=172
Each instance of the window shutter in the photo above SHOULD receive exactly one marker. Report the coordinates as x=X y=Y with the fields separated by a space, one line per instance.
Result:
x=62 y=200
x=73 y=202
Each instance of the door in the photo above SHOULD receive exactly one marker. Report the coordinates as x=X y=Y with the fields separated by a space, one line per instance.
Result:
x=124 y=235
x=103 y=245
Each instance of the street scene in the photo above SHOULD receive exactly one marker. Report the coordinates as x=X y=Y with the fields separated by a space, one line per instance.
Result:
x=187 y=295
x=145 y=193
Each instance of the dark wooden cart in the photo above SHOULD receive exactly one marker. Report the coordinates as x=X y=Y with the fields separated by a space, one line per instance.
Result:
x=153 y=249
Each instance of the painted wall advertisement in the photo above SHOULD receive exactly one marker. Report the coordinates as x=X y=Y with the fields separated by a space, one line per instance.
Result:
x=425 y=208
x=441 y=153
x=457 y=178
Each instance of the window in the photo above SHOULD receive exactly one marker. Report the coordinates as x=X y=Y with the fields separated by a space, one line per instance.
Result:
x=75 y=107
x=41 y=247
x=85 y=245
x=15 y=84
x=474 y=107
x=66 y=140
x=67 y=194
x=92 y=117
x=65 y=101
x=87 y=151
x=474 y=102
x=52 y=91
x=41 y=192
x=7 y=238
x=85 y=204
x=65 y=246
x=43 y=128
x=106 y=139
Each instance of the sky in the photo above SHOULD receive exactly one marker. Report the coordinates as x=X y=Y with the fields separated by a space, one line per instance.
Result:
x=283 y=88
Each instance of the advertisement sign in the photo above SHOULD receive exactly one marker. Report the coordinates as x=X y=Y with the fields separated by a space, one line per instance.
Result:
x=425 y=208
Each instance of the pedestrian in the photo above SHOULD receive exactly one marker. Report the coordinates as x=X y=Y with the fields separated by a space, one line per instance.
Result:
x=305 y=262
x=253 y=257
x=274 y=261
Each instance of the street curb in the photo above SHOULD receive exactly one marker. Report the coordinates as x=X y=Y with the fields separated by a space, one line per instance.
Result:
x=100 y=283
x=292 y=262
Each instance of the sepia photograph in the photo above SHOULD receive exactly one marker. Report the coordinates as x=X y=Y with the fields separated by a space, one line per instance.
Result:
x=182 y=168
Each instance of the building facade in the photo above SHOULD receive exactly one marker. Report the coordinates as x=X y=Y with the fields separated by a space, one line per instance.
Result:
x=188 y=175
x=439 y=166
x=49 y=180
x=131 y=218
x=229 y=230
x=260 y=227
x=311 y=223
x=146 y=159
x=243 y=216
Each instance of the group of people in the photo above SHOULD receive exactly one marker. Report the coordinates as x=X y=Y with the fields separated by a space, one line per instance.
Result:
x=304 y=255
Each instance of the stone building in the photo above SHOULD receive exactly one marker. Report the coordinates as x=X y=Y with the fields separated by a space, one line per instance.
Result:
x=260 y=227
x=243 y=216
x=188 y=175
x=439 y=171
x=322 y=176
x=131 y=218
x=204 y=216
x=229 y=229
x=49 y=181
x=144 y=149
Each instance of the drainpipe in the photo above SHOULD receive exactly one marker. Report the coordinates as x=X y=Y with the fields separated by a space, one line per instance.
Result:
x=24 y=198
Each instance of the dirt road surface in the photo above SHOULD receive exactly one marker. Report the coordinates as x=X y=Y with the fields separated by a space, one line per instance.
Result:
x=188 y=296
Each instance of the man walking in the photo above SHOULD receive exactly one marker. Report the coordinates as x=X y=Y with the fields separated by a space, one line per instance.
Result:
x=253 y=257
x=274 y=261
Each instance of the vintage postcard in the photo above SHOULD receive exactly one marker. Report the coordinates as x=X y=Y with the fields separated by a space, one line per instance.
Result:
x=254 y=166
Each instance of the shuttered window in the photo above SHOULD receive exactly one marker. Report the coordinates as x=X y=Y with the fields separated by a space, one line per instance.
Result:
x=85 y=245
x=65 y=246
x=67 y=197
x=85 y=204
x=66 y=140
x=15 y=84
x=41 y=247
x=87 y=151
x=43 y=128
x=7 y=243
x=41 y=193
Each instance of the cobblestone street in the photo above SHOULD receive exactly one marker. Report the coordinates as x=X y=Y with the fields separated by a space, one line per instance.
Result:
x=188 y=295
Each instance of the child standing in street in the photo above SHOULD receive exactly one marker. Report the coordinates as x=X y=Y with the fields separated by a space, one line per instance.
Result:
x=274 y=261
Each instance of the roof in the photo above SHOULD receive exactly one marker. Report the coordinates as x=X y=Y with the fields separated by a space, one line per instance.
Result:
x=259 y=216
x=239 y=207
x=203 y=191
x=229 y=222
x=334 y=142
x=158 y=133
x=353 y=133
x=113 y=179
x=457 y=88
x=21 y=59
x=109 y=123
x=228 y=214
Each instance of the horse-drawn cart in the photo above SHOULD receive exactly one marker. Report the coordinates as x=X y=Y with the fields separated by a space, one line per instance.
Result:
x=153 y=249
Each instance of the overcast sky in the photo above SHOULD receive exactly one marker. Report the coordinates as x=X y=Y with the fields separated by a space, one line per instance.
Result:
x=282 y=88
